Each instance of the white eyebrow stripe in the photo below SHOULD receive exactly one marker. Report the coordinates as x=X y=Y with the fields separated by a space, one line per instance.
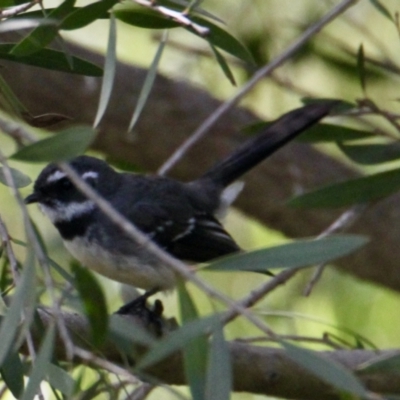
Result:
x=90 y=174
x=56 y=176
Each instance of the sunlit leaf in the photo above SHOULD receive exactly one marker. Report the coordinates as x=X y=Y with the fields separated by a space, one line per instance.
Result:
x=147 y=84
x=328 y=370
x=371 y=153
x=43 y=35
x=40 y=365
x=51 y=59
x=178 y=339
x=196 y=352
x=19 y=178
x=302 y=253
x=109 y=71
x=94 y=303
x=63 y=146
x=81 y=17
x=219 y=371
x=353 y=191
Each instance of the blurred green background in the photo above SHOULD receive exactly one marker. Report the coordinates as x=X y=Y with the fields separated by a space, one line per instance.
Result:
x=326 y=68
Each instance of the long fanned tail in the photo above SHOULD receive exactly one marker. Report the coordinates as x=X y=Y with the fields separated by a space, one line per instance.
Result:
x=267 y=142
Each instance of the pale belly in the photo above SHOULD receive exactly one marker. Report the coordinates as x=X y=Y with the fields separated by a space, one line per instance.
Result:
x=123 y=269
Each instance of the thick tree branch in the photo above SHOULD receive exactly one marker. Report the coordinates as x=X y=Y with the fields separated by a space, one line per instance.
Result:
x=174 y=110
x=256 y=369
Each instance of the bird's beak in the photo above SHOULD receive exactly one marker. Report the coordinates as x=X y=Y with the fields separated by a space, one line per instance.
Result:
x=32 y=198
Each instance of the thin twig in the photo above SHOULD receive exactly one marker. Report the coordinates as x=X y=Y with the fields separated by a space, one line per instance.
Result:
x=261 y=73
x=281 y=278
x=343 y=222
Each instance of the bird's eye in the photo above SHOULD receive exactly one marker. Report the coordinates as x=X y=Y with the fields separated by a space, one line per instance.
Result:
x=65 y=183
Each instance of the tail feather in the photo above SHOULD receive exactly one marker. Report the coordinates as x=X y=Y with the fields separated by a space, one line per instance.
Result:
x=267 y=142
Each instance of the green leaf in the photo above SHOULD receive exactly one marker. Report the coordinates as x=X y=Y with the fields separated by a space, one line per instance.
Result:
x=333 y=133
x=361 y=67
x=327 y=370
x=384 y=364
x=51 y=59
x=219 y=371
x=359 y=190
x=43 y=35
x=196 y=352
x=60 y=380
x=301 y=253
x=144 y=19
x=84 y=16
x=147 y=84
x=41 y=365
x=94 y=303
x=20 y=179
x=222 y=39
x=178 y=340
x=224 y=65
x=12 y=372
x=65 y=145
x=382 y=9
x=10 y=324
x=109 y=71
x=371 y=153
x=216 y=36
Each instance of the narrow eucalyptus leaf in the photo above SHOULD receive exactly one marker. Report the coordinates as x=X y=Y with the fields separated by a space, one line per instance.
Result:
x=147 y=84
x=51 y=59
x=64 y=145
x=109 y=71
x=12 y=372
x=353 y=191
x=24 y=294
x=84 y=16
x=301 y=253
x=370 y=154
x=94 y=303
x=195 y=354
x=60 y=380
x=20 y=179
x=43 y=35
x=219 y=371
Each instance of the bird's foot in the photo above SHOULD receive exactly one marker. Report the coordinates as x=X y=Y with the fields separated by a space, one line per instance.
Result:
x=139 y=308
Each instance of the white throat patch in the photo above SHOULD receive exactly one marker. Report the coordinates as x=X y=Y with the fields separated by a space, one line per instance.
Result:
x=67 y=212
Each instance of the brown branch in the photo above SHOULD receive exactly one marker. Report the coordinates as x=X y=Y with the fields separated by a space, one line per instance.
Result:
x=256 y=369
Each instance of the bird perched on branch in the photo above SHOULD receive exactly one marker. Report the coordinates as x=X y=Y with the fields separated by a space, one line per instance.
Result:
x=182 y=218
